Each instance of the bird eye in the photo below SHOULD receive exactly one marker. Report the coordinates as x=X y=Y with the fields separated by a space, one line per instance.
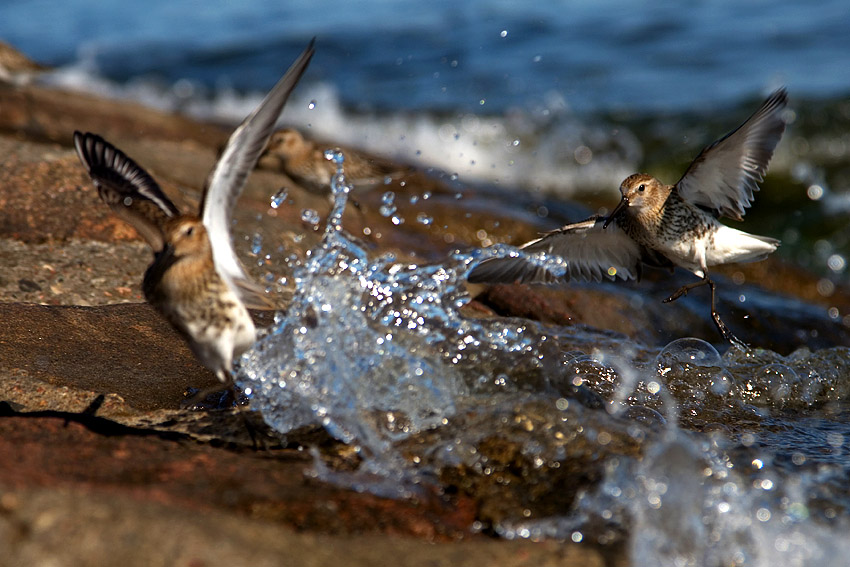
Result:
x=641 y=187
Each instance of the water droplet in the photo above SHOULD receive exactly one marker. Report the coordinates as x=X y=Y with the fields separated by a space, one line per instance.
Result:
x=311 y=105
x=687 y=351
x=422 y=218
x=335 y=155
x=256 y=244
x=279 y=197
x=310 y=216
x=388 y=207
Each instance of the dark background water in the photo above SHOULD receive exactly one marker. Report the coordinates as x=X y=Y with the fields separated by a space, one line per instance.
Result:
x=449 y=56
x=514 y=94
x=565 y=97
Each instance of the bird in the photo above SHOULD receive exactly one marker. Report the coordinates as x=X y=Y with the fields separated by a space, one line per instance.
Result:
x=304 y=161
x=196 y=281
x=663 y=225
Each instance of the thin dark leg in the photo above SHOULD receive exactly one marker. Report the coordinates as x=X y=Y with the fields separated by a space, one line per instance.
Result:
x=229 y=397
x=686 y=288
x=721 y=326
x=243 y=412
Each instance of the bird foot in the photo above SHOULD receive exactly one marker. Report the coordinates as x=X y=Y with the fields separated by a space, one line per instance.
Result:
x=231 y=398
x=726 y=333
x=211 y=399
x=679 y=293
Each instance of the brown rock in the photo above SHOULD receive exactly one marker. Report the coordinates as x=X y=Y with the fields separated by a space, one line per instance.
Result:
x=103 y=461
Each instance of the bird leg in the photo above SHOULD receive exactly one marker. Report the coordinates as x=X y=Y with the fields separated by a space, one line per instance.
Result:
x=230 y=397
x=686 y=288
x=243 y=410
x=721 y=326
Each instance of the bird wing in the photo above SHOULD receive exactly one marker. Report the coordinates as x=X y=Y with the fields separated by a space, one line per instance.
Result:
x=725 y=174
x=591 y=252
x=127 y=188
x=228 y=177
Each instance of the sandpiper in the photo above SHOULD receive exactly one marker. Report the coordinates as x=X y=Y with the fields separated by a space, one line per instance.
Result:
x=196 y=281
x=304 y=161
x=667 y=225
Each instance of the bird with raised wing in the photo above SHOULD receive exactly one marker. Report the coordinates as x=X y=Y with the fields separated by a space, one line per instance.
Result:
x=304 y=161
x=667 y=225
x=196 y=280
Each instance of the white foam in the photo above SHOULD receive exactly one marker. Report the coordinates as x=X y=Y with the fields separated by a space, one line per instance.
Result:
x=544 y=149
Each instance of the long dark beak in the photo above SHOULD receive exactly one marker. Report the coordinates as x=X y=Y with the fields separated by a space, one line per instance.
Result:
x=165 y=258
x=624 y=202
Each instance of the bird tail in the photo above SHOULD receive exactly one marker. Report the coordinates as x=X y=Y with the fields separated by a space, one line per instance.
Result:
x=736 y=246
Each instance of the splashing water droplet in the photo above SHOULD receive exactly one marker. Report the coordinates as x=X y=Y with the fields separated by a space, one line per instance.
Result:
x=278 y=198
x=687 y=351
x=256 y=244
x=310 y=216
x=335 y=155
x=388 y=207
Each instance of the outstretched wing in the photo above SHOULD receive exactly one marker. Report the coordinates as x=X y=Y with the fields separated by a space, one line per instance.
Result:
x=127 y=188
x=725 y=174
x=228 y=177
x=590 y=251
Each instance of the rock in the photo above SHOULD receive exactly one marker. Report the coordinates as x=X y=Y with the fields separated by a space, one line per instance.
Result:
x=101 y=461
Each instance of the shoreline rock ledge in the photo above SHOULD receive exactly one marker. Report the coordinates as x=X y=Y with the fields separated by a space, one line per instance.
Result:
x=101 y=466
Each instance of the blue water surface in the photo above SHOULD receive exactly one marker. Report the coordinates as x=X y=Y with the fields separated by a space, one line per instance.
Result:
x=485 y=56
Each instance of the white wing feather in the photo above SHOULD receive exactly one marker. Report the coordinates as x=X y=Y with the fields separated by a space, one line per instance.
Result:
x=228 y=177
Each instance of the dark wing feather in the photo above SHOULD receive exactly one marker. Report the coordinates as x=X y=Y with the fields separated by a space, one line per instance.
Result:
x=228 y=177
x=127 y=188
x=590 y=251
x=725 y=174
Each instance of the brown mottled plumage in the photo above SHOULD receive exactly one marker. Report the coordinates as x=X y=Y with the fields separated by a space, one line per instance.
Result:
x=304 y=161
x=667 y=225
x=195 y=280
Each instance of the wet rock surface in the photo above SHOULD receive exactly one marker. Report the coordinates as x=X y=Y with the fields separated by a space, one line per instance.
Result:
x=102 y=462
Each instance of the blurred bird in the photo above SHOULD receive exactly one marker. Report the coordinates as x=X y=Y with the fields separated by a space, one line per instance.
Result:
x=667 y=225
x=196 y=281
x=304 y=161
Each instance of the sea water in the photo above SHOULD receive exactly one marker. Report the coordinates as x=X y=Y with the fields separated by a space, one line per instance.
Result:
x=697 y=457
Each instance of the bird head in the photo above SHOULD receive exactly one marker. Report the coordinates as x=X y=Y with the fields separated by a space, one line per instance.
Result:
x=187 y=236
x=639 y=191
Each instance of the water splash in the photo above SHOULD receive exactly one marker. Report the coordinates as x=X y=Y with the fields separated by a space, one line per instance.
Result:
x=310 y=216
x=373 y=350
x=383 y=356
x=279 y=198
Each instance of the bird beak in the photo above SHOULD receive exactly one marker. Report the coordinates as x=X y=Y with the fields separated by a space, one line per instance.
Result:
x=624 y=202
x=166 y=256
